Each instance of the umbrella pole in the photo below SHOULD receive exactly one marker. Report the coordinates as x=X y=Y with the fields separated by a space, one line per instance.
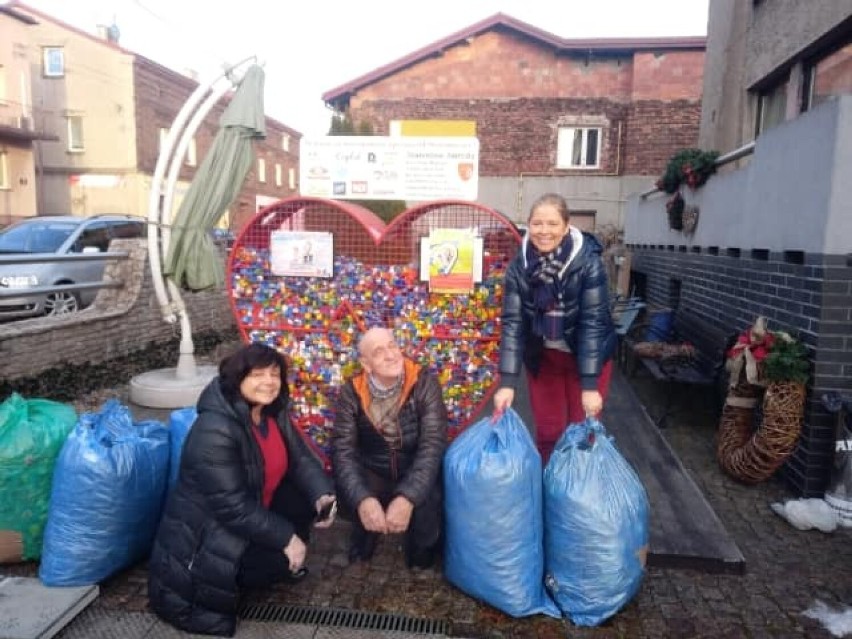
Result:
x=174 y=388
x=186 y=367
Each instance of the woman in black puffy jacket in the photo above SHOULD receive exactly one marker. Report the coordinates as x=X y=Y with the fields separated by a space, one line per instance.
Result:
x=248 y=491
x=556 y=321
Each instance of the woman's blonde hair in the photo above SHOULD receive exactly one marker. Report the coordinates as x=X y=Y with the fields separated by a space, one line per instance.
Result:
x=555 y=200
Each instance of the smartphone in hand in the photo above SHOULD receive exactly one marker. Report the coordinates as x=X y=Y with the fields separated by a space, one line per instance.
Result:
x=327 y=512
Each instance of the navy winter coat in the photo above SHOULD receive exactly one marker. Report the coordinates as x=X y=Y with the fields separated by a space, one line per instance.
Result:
x=589 y=329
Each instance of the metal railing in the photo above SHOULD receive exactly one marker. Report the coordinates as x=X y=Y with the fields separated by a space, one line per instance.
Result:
x=727 y=158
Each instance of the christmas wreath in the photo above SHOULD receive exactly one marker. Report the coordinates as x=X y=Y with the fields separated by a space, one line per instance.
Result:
x=692 y=167
x=770 y=369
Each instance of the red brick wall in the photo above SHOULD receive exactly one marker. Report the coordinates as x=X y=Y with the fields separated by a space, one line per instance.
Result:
x=520 y=135
x=504 y=64
x=160 y=94
x=519 y=92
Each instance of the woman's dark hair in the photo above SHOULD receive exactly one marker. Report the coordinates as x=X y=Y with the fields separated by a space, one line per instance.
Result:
x=555 y=200
x=234 y=369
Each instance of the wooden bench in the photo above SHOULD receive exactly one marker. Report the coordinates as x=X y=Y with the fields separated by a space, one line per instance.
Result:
x=704 y=368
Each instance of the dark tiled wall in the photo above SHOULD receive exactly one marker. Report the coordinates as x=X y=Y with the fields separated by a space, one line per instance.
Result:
x=808 y=295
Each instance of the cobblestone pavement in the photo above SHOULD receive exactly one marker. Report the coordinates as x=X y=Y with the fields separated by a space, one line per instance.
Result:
x=787 y=570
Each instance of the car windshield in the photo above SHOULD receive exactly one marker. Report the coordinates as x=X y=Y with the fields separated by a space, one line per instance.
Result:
x=35 y=237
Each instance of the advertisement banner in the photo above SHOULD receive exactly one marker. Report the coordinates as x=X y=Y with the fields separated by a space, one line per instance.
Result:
x=389 y=168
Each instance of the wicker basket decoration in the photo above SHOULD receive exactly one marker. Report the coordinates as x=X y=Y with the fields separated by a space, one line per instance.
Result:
x=751 y=449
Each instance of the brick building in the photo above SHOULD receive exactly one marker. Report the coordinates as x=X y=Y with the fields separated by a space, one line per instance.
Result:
x=587 y=118
x=107 y=110
x=774 y=233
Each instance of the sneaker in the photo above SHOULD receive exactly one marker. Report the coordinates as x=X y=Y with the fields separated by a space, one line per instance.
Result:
x=296 y=576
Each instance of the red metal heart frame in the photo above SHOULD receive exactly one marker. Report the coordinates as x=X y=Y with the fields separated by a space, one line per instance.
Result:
x=376 y=280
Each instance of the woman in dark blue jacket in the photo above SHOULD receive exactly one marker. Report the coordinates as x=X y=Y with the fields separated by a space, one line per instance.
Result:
x=556 y=321
x=248 y=491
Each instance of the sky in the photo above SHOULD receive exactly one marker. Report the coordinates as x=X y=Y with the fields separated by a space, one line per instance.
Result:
x=312 y=46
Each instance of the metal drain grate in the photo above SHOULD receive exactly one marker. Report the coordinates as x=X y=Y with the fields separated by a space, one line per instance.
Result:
x=342 y=618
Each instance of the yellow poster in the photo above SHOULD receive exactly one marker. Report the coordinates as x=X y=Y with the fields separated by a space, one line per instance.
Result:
x=451 y=260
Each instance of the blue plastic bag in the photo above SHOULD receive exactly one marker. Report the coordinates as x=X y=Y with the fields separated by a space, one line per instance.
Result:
x=595 y=525
x=180 y=423
x=108 y=488
x=494 y=528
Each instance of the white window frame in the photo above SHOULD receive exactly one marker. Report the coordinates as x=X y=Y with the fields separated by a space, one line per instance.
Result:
x=5 y=181
x=261 y=170
x=164 y=133
x=53 y=62
x=291 y=177
x=565 y=147
x=76 y=145
x=191 y=153
x=279 y=176
x=285 y=142
x=4 y=91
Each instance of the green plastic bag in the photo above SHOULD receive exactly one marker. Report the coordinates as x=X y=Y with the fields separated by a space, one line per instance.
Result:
x=32 y=432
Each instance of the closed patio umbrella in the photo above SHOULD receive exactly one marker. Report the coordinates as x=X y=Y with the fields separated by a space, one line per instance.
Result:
x=191 y=260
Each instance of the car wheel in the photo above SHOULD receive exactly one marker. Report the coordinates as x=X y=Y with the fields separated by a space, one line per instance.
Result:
x=61 y=303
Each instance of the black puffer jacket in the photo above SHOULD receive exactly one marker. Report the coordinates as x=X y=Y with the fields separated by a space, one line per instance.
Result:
x=216 y=510
x=589 y=330
x=358 y=444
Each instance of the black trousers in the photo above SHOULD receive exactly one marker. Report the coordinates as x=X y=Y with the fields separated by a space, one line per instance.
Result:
x=425 y=529
x=261 y=566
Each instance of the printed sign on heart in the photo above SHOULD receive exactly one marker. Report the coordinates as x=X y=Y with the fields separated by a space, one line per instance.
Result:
x=308 y=276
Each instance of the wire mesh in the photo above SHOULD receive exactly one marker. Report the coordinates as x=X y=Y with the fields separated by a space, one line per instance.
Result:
x=315 y=319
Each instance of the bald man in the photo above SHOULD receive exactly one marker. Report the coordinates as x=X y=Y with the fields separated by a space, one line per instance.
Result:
x=390 y=433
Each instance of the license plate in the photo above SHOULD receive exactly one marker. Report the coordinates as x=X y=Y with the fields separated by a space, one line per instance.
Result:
x=19 y=281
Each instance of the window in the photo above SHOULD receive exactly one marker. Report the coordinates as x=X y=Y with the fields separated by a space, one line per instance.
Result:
x=278 y=175
x=285 y=142
x=164 y=133
x=261 y=170
x=125 y=230
x=578 y=148
x=191 y=159
x=771 y=107
x=829 y=76
x=4 y=170
x=95 y=235
x=53 y=62
x=291 y=178
x=75 y=133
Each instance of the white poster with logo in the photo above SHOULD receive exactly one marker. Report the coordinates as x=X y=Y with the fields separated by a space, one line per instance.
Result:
x=301 y=253
x=389 y=168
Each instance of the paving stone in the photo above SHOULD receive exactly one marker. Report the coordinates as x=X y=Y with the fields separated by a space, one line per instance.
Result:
x=786 y=571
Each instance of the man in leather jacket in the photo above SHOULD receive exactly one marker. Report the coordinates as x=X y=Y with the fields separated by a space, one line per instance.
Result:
x=390 y=434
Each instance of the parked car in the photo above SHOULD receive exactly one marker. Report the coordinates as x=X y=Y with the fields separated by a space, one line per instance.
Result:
x=60 y=235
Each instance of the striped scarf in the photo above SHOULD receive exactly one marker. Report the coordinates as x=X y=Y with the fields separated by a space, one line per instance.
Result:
x=542 y=273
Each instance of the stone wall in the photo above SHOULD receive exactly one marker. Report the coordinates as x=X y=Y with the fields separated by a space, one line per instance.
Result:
x=805 y=294
x=119 y=322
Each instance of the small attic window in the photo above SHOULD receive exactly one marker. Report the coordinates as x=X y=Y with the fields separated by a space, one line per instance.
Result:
x=53 y=62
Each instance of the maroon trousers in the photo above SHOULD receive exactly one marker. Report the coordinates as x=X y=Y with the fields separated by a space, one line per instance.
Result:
x=556 y=397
